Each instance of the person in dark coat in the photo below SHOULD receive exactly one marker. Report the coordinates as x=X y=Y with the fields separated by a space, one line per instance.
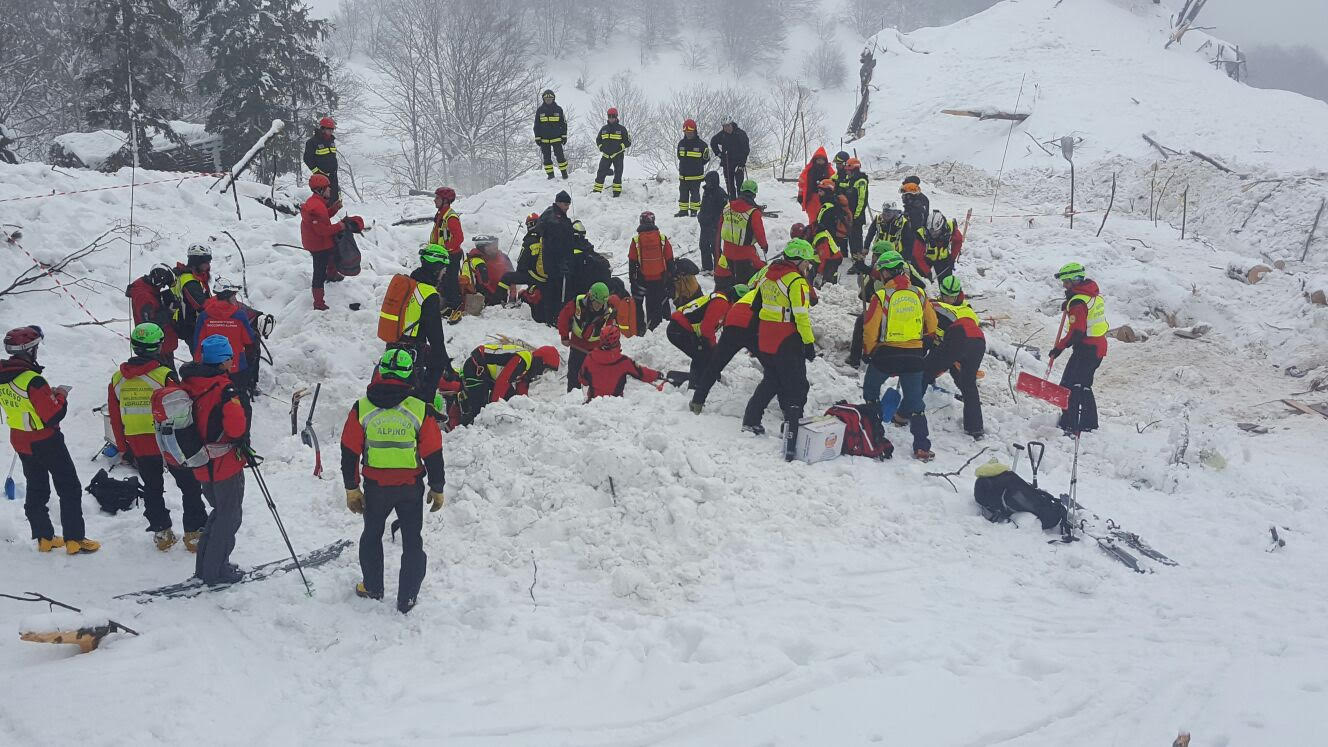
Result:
x=557 y=240
x=320 y=155
x=613 y=142
x=713 y=200
x=551 y=133
x=731 y=146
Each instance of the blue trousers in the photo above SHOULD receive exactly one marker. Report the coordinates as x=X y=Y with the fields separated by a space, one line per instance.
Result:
x=883 y=367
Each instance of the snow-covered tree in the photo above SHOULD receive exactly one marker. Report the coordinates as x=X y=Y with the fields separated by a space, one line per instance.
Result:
x=136 y=67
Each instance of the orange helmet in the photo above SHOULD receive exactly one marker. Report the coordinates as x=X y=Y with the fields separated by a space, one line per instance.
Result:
x=853 y=163
x=319 y=181
x=531 y=220
x=826 y=184
x=610 y=338
x=549 y=356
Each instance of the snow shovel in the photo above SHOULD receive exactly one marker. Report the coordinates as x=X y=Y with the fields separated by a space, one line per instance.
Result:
x=1035 y=451
x=1041 y=388
x=890 y=404
x=11 y=490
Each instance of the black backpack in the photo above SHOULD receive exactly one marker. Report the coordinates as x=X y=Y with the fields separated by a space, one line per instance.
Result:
x=1007 y=493
x=347 y=254
x=114 y=495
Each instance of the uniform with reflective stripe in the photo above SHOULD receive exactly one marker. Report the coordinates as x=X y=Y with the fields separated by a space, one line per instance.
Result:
x=1097 y=325
x=391 y=435
x=954 y=312
x=784 y=301
x=414 y=308
x=135 y=398
x=737 y=226
x=939 y=252
x=20 y=413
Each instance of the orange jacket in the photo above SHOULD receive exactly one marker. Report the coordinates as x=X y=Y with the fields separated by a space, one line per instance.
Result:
x=650 y=254
x=807 y=195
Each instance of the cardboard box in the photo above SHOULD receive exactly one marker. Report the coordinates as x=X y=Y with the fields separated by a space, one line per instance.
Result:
x=819 y=438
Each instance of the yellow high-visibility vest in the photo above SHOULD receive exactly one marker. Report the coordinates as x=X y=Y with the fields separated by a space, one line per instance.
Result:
x=20 y=413
x=391 y=435
x=135 y=397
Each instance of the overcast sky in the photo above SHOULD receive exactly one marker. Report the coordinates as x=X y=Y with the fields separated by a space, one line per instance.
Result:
x=1288 y=22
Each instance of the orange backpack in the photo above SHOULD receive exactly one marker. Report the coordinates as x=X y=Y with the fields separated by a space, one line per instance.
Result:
x=392 y=317
x=650 y=254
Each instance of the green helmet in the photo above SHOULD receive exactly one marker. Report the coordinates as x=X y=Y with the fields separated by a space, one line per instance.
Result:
x=599 y=292
x=435 y=254
x=397 y=363
x=147 y=336
x=1072 y=271
x=951 y=286
x=748 y=185
x=740 y=290
x=799 y=250
x=890 y=260
x=881 y=247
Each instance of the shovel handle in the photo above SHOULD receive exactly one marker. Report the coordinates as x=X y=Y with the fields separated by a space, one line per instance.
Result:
x=1060 y=329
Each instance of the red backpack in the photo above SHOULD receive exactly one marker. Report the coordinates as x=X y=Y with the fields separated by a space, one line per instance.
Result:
x=864 y=435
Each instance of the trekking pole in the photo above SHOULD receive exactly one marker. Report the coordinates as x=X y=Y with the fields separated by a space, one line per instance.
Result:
x=1019 y=449
x=272 y=506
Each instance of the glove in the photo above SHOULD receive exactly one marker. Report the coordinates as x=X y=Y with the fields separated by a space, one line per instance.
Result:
x=809 y=351
x=355 y=500
x=356 y=224
x=1055 y=352
x=435 y=500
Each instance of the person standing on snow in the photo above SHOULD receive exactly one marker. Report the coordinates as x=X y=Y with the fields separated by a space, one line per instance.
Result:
x=448 y=234
x=739 y=332
x=318 y=235
x=817 y=170
x=558 y=241
x=650 y=268
x=580 y=324
x=960 y=352
x=151 y=301
x=129 y=402
x=1085 y=324
x=423 y=330
x=191 y=290
x=393 y=435
x=224 y=315
x=223 y=420
x=741 y=231
x=732 y=147
x=551 y=133
x=785 y=342
x=33 y=411
x=830 y=234
x=320 y=155
x=941 y=245
x=693 y=155
x=530 y=270
x=853 y=185
x=613 y=142
x=713 y=200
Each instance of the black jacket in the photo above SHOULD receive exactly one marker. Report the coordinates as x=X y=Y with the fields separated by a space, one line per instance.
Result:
x=693 y=155
x=731 y=147
x=558 y=240
x=434 y=348
x=320 y=154
x=713 y=200
x=613 y=140
x=917 y=209
x=550 y=124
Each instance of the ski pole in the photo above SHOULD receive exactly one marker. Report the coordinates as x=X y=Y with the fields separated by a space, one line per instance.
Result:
x=272 y=506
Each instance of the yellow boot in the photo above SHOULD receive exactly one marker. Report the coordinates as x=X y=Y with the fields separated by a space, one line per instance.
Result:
x=165 y=539
x=74 y=547
x=47 y=545
x=191 y=540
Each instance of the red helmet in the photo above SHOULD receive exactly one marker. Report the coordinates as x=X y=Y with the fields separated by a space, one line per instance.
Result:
x=797 y=230
x=531 y=220
x=826 y=184
x=689 y=125
x=319 y=181
x=610 y=338
x=647 y=217
x=328 y=122
x=613 y=111
x=549 y=356
x=25 y=339
x=447 y=193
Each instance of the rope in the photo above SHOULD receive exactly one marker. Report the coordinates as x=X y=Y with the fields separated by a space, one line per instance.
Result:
x=99 y=189
x=65 y=290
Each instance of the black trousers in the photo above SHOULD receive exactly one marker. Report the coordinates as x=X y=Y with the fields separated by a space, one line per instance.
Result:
x=691 y=344
x=855 y=235
x=550 y=151
x=966 y=378
x=478 y=389
x=218 y=540
x=731 y=340
x=689 y=193
x=706 y=240
x=322 y=260
x=734 y=173
x=574 y=360
x=552 y=298
x=451 y=287
x=656 y=305
x=50 y=463
x=380 y=501
x=606 y=165
x=1081 y=415
x=785 y=377
x=855 y=345
x=153 y=471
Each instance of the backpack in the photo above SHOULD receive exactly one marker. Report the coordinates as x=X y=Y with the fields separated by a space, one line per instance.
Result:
x=392 y=317
x=179 y=437
x=685 y=266
x=1001 y=492
x=864 y=435
x=114 y=495
x=346 y=254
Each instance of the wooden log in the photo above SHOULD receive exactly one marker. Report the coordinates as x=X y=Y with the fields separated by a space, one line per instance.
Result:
x=1008 y=116
x=1211 y=160
x=1164 y=150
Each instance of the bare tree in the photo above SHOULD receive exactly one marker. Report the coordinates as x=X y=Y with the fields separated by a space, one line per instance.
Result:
x=796 y=120
x=42 y=61
x=695 y=54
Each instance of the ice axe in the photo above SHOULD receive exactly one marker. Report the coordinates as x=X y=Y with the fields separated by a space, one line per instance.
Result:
x=308 y=437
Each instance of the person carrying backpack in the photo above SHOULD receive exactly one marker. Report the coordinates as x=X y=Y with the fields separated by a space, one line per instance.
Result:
x=34 y=411
x=222 y=419
x=129 y=402
x=960 y=352
x=499 y=372
x=318 y=234
x=581 y=323
x=650 y=268
x=393 y=437
x=606 y=369
x=411 y=318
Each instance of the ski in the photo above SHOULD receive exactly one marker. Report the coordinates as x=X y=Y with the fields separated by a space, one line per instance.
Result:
x=1137 y=543
x=193 y=587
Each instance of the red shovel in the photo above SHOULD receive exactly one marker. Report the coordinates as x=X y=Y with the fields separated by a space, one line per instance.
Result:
x=1043 y=389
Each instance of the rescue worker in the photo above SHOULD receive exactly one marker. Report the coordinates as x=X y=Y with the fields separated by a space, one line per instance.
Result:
x=940 y=245
x=151 y=300
x=580 y=324
x=732 y=147
x=485 y=271
x=853 y=185
x=961 y=348
x=739 y=333
x=612 y=142
x=624 y=308
x=529 y=269
x=423 y=331
x=129 y=403
x=501 y=371
x=557 y=238
x=393 y=435
x=587 y=266
x=320 y=155
x=551 y=133
x=875 y=280
x=830 y=234
x=318 y=234
x=34 y=411
x=223 y=420
x=695 y=327
x=693 y=155
x=606 y=369
x=191 y=289
x=917 y=209
x=741 y=231
x=1085 y=324
x=448 y=234
x=785 y=342
x=816 y=170
x=888 y=226
x=650 y=269
x=711 y=213
x=224 y=315
x=899 y=317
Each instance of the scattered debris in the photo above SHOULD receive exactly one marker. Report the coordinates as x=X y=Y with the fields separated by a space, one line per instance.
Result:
x=1126 y=333
x=1295 y=404
x=1313 y=228
x=1318 y=298
x=986 y=114
x=1296 y=372
x=1193 y=333
x=1278 y=542
x=1254 y=428
x=1248 y=275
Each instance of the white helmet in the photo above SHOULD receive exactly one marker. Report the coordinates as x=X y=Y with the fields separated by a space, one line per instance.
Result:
x=200 y=251
x=937 y=223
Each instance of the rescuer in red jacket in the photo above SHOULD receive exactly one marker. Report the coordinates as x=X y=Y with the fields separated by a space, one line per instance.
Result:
x=318 y=234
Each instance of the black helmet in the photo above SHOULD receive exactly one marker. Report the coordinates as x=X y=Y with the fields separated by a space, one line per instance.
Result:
x=161 y=277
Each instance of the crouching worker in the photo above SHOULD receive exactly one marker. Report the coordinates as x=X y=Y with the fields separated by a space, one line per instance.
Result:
x=499 y=372
x=396 y=439
x=960 y=352
x=604 y=372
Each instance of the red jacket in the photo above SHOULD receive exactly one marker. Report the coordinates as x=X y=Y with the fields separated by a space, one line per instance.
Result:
x=145 y=305
x=1076 y=321
x=49 y=403
x=317 y=230
x=590 y=321
x=604 y=373
x=143 y=444
x=450 y=220
x=917 y=252
x=807 y=193
x=230 y=320
x=221 y=419
x=711 y=317
x=650 y=254
x=384 y=392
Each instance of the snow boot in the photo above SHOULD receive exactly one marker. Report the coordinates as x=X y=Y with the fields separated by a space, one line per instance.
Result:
x=47 y=545
x=74 y=547
x=923 y=455
x=792 y=416
x=406 y=605
x=191 y=540
x=696 y=407
x=551 y=175
x=564 y=175
x=755 y=430
x=319 y=303
x=165 y=539
x=693 y=213
x=360 y=590
x=680 y=214
x=232 y=575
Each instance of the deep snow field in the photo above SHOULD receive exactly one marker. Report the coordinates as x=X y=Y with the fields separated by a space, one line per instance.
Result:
x=625 y=572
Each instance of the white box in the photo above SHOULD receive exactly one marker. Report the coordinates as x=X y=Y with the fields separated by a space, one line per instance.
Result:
x=819 y=438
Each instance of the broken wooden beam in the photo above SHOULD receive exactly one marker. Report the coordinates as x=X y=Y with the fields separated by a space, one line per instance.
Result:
x=1164 y=150
x=986 y=114
x=1211 y=160
x=1313 y=228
